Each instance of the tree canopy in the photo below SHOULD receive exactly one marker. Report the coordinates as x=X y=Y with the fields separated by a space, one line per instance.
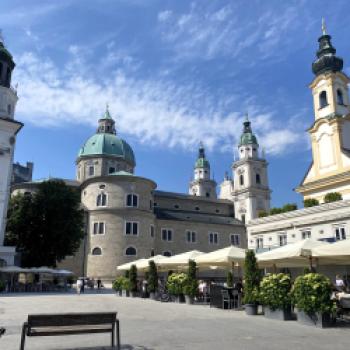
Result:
x=46 y=225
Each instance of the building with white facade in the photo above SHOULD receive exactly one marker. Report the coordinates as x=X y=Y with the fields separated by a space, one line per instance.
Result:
x=9 y=128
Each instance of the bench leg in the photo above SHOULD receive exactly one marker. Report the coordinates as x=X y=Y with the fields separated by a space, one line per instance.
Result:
x=113 y=335
x=118 y=335
x=23 y=337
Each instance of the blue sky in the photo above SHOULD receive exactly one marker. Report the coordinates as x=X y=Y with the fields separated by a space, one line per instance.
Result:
x=174 y=73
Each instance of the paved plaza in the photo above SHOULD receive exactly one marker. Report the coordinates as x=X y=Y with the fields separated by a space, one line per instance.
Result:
x=151 y=325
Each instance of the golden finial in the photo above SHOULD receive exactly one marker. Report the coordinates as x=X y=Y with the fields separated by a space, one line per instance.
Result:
x=324 y=29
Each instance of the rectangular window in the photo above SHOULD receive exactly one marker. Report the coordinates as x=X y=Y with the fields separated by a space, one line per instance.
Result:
x=235 y=239
x=167 y=234
x=282 y=239
x=191 y=236
x=340 y=233
x=111 y=170
x=259 y=242
x=91 y=170
x=132 y=200
x=152 y=231
x=306 y=234
x=213 y=238
x=99 y=228
x=131 y=228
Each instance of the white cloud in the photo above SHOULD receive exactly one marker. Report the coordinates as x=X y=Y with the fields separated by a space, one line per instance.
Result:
x=156 y=112
x=164 y=15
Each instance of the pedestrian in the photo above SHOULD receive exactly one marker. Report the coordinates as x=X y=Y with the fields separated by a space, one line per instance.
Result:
x=99 y=283
x=83 y=285
x=79 y=285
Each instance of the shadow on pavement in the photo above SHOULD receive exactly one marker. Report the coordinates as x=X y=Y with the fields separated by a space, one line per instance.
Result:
x=123 y=347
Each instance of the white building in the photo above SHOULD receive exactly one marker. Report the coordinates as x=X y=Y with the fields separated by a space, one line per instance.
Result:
x=8 y=130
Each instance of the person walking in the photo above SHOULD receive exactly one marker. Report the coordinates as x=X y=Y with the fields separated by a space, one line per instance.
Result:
x=99 y=283
x=79 y=285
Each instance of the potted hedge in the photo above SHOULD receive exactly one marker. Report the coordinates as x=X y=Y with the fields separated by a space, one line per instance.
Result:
x=251 y=283
x=133 y=281
x=125 y=285
x=152 y=279
x=229 y=279
x=275 y=296
x=175 y=285
x=190 y=288
x=311 y=295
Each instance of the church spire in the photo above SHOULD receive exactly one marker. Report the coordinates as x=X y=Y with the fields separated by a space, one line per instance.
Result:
x=106 y=124
x=326 y=60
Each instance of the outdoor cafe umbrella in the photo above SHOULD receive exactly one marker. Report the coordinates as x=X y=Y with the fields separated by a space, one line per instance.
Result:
x=179 y=260
x=334 y=253
x=127 y=266
x=224 y=257
x=63 y=272
x=296 y=254
x=144 y=264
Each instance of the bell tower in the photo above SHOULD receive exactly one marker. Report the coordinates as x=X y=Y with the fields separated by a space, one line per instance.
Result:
x=202 y=185
x=330 y=132
x=8 y=130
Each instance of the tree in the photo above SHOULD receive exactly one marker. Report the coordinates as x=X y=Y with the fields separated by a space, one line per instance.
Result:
x=252 y=278
x=274 y=211
x=229 y=279
x=289 y=207
x=332 y=197
x=311 y=202
x=191 y=284
x=45 y=226
x=133 y=278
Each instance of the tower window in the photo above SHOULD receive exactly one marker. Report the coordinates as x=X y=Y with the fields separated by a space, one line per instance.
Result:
x=101 y=200
x=257 y=179
x=130 y=251
x=96 y=251
x=132 y=200
x=340 y=99
x=131 y=228
x=91 y=170
x=207 y=194
x=323 y=99
x=241 y=180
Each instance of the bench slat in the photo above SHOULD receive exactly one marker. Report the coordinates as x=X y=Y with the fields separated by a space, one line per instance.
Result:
x=69 y=332
x=73 y=319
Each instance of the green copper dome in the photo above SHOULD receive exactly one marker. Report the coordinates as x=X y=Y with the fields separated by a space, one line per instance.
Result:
x=107 y=144
x=202 y=163
x=247 y=137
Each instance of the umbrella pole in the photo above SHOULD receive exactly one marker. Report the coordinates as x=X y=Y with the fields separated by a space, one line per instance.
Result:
x=274 y=268
x=233 y=270
x=310 y=263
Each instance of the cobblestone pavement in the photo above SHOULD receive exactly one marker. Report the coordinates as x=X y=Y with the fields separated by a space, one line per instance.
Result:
x=151 y=325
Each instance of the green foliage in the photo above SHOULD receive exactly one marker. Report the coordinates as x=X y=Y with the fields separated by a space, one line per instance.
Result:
x=133 y=278
x=191 y=284
x=311 y=202
x=126 y=274
x=2 y=286
x=289 y=207
x=332 y=197
x=45 y=226
x=262 y=213
x=274 y=211
x=312 y=293
x=229 y=279
x=176 y=283
x=152 y=277
x=275 y=291
x=119 y=283
x=252 y=278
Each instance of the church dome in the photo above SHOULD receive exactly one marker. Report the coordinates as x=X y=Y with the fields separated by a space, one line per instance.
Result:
x=247 y=137
x=108 y=144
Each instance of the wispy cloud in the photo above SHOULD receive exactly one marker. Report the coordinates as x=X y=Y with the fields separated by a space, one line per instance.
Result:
x=157 y=112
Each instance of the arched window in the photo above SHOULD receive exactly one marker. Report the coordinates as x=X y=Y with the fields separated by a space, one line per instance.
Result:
x=130 y=251
x=101 y=200
x=241 y=180
x=97 y=251
x=166 y=253
x=132 y=200
x=340 y=99
x=257 y=179
x=323 y=99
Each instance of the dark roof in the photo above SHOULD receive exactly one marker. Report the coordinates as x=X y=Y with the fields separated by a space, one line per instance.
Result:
x=165 y=194
x=177 y=215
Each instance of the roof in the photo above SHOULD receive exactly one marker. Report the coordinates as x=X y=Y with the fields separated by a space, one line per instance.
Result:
x=202 y=163
x=177 y=215
x=107 y=144
x=166 y=194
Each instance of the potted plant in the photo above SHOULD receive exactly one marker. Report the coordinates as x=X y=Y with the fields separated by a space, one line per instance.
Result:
x=275 y=296
x=125 y=284
x=152 y=279
x=117 y=285
x=2 y=286
x=133 y=281
x=311 y=295
x=190 y=288
x=175 y=285
x=251 y=283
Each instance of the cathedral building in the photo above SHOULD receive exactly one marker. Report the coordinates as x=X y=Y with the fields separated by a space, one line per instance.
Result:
x=9 y=128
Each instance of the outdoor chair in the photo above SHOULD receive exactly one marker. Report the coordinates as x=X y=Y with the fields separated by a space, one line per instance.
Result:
x=226 y=299
x=236 y=299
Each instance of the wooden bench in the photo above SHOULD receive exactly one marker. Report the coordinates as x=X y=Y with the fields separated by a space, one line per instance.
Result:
x=75 y=323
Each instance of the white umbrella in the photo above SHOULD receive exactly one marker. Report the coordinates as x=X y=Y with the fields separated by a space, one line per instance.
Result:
x=334 y=253
x=296 y=254
x=224 y=257
x=179 y=260
x=63 y=272
x=143 y=265
x=42 y=269
x=13 y=269
x=127 y=266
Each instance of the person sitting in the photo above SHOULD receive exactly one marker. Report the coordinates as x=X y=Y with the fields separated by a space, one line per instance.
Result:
x=339 y=283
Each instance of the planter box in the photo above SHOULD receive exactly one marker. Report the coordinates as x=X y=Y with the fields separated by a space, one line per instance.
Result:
x=153 y=296
x=280 y=315
x=318 y=319
x=189 y=299
x=125 y=293
x=251 y=309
